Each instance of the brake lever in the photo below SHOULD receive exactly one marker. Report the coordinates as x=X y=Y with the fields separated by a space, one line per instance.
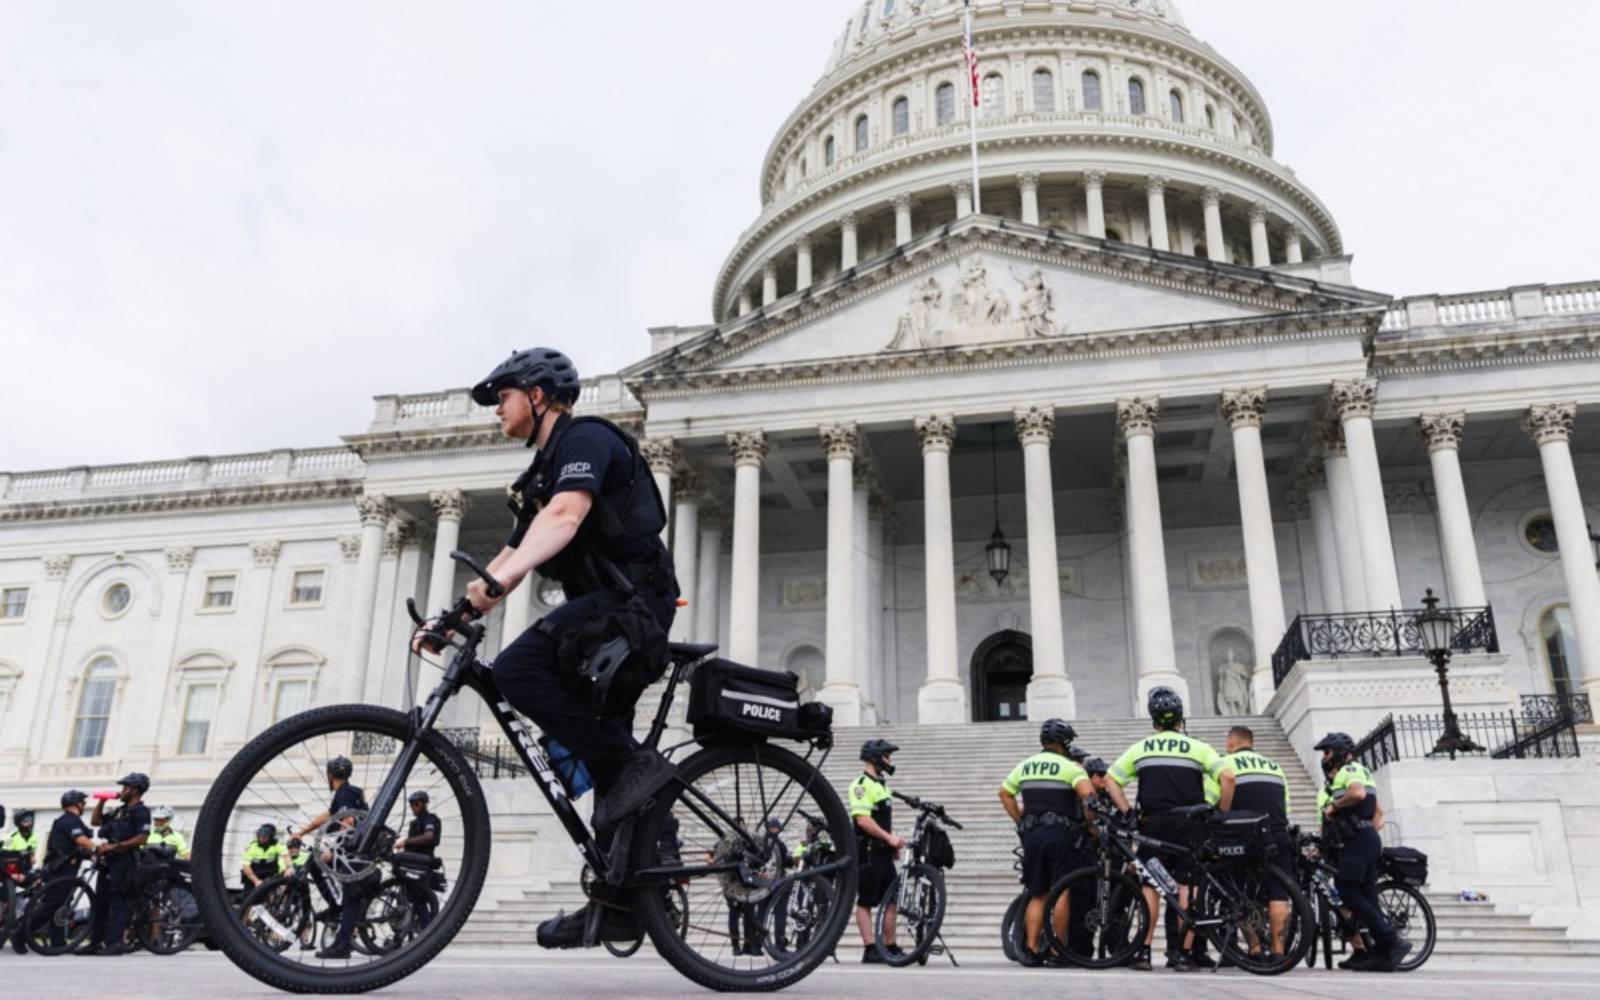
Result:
x=411 y=609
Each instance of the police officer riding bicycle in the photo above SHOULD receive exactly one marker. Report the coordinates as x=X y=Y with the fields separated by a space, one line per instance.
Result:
x=588 y=515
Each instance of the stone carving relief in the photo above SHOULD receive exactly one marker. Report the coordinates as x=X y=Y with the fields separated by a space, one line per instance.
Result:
x=977 y=304
x=803 y=594
x=976 y=584
x=979 y=313
x=1216 y=571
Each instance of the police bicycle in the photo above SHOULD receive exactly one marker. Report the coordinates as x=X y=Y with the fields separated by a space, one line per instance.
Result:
x=918 y=894
x=278 y=777
x=1229 y=905
x=1011 y=923
x=799 y=911
x=55 y=911
x=1402 y=903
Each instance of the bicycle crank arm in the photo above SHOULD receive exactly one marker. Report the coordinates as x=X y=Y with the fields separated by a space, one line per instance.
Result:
x=659 y=875
x=822 y=869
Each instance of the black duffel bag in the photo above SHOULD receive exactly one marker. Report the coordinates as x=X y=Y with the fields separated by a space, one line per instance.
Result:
x=726 y=697
x=1240 y=834
x=937 y=850
x=1404 y=864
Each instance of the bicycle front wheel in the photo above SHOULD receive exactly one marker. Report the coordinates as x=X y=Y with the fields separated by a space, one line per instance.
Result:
x=59 y=918
x=1012 y=927
x=1408 y=912
x=1263 y=922
x=280 y=778
x=1094 y=919
x=915 y=903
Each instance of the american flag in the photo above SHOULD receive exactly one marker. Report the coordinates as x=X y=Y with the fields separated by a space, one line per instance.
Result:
x=972 y=56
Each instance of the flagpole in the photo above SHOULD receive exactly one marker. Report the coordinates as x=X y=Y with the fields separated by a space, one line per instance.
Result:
x=972 y=114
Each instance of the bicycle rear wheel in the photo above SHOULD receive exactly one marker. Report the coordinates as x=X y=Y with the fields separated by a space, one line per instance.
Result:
x=722 y=797
x=1240 y=896
x=917 y=896
x=1408 y=912
x=277 y=913
x=1012 y=926
x=795 y=914
x=279 y=778
x=171 y=920
x=1105 y=919
x=58 y=919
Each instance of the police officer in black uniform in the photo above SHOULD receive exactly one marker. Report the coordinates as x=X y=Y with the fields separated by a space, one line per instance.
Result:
x=122 y=832
x=1351 y=819
x=68 y=844
x=588 y=515
x=425 y=831
x=348 y=800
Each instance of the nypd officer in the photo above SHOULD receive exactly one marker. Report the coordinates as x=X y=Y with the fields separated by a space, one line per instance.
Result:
x=1352 y=814
x=1171 y=767
x=69 y=843
x=24 y=839
x=1253 y=782
x=1049 y=820
x=122 y=832
x=348 y=800
x=872 y=812
x=587 y=499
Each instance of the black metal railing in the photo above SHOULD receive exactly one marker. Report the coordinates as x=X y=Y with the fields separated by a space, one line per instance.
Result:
x=489 y=758
x=1506 y=736
x=1538 y=708
x=1378 y=633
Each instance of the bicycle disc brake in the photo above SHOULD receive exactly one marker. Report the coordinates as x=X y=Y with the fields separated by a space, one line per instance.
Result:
x=733 y=848
x=334 y=848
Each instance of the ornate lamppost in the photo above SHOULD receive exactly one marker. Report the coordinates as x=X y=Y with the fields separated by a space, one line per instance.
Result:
x=998 y=551
x=1437 y=628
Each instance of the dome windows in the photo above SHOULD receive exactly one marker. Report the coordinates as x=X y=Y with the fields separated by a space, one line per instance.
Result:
x=944 y=103
x=994 y=95
x=1044 y=90
x=863 y=135
x=827 y=151
x=1091 y=90
x=1175 y=104
x=1135 y=96
x=902 y=116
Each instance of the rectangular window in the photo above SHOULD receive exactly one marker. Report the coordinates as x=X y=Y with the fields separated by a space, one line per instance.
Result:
x=290 y=698
x=13 y=602
x=307 y=587
x=198 y=711
x=219 y=592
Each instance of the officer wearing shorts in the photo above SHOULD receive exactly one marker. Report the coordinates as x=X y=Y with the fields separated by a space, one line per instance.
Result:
x=872 y=813
x=1253 y=782
x=1049 y=821
x=1171 y=767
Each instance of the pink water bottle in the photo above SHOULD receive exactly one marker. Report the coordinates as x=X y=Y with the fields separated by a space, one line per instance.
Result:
x=106 y=794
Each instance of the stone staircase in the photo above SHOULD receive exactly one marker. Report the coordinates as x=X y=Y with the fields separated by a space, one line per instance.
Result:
x=961 y=767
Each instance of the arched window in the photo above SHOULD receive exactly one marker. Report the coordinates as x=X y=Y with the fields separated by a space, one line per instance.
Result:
x=1560 y=641
x=1175 y=101
x=1044 y=90
x=902 y=116
x=994 y=95
x=1091 y=90
x=944 y=103
x=862 y=135
x=827 y=151
x=1211 y=117
x=1135 y=96
x=94 y=708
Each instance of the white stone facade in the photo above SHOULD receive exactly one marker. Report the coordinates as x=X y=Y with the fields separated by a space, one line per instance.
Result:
x=1145 y=360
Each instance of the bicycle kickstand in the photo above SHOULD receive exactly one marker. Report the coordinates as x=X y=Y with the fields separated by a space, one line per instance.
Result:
x=947 y=952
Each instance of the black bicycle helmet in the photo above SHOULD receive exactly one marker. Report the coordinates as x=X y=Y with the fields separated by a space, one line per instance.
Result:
x=341 y=768
x=418 y=797
x=136 y=780
x=73 y=798
x=875 y=751
x=22 y=817
x=1166 y=708
x=266 y=830
x=294 y=842
x=1056 y=731
x=539 y=367
x=1077 y=754
x=603 y=668
x=1095 y=765
x=1341 y=746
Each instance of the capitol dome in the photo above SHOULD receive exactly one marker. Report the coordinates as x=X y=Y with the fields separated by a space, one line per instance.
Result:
x=1099 y=118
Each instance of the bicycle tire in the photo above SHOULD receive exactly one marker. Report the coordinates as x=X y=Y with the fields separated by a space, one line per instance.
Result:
x=80 y=915
x=391 y=888
x=651 y=905
x=288 y=906
x=810 y=894
x=1420 y=950
x=1252 y=879
x=169 y=897
x=1009 y=927
x=1123 y=897
x=924 y=922
x=210 y=870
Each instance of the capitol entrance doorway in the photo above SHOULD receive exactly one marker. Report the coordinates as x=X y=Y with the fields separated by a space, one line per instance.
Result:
x=1001 y=669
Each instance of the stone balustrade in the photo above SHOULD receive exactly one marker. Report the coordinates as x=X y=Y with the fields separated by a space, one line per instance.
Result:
x=1497 y=306
x=181 y=474
x=605 y=395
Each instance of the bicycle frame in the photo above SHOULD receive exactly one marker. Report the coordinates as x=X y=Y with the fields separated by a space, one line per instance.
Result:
x=1120 y=842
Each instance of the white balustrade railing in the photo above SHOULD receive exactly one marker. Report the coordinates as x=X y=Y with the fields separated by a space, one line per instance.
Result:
x=39 y=482
x=433 y=404
x=1480 y=307
x=240 y=466
x=143 y=474
x=317 y=460
x=1566 y=299
x=1395 y=319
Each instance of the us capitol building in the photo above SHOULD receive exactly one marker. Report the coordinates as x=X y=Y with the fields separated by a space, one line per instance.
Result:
x=1111 y=421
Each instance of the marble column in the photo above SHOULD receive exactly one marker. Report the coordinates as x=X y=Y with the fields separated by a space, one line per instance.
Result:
x=745 y=305
x=1342 y=504
x=685 y=548
x=1242 y=409
x=1260 y=249
x=943 y=698
x=840 y=689
x=769 y=282
x=802 y=263
x=902 y=219
x=1050 y=692
x=1152 y=608
x=375 y=510
x=748 y=448
x=1028 y=185
x=708 y=579
x=1216 y=244
x=1094 y=201
x=1294 y=245
x=1551 y=429
x=879 y=667
x=1155 y=189
x=1354 y=402
x=848 y=253
x=860 y=591
x=963 y=193
x=1314 y=482
x=661 y=454
x=449 y=506
x=1441 y=432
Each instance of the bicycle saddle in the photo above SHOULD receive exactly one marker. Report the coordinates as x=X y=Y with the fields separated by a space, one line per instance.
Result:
x=1193 y=812
x=688 y=652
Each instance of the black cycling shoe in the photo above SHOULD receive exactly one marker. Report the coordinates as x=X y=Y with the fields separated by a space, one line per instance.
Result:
x=1141 y=960
x=1181 y=962
x=870 y=956
x=1396 y=954
x=894 y=950
x=338 y=949
x=1359 y=961
x=565 y=930
x=1028 y=958
x=643 y=774
x=1201 y=960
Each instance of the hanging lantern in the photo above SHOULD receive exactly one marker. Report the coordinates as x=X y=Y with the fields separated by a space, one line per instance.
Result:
x=999 y=553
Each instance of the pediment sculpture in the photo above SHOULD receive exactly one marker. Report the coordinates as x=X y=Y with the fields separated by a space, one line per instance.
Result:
x=978 y=313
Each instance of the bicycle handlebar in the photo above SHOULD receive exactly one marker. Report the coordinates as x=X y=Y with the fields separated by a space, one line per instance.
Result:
x=463 y=612
x=932 y=808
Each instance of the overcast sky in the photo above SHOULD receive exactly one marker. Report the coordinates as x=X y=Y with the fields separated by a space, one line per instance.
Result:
x=224 y=227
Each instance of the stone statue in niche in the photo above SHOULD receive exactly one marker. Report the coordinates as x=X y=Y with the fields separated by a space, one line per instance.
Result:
x=1038 y=304
x=1057 y=221
x=977 y=304
x=915 y=328
x=1232 y=679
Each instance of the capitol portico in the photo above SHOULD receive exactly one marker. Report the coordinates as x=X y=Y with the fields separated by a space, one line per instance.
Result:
x=1112 y=420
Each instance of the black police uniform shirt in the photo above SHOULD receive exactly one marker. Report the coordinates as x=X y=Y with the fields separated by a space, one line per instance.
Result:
x=425 y=823
x=127 y=823
x=64 y=832
x=348 y=796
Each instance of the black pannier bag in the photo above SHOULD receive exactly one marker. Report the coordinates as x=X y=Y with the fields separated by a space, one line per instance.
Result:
x=1404 y=864
x=727 y=697
x=938 y=850
x=1240 y=834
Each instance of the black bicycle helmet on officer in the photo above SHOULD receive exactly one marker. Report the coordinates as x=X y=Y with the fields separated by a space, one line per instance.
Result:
x=137 y=781
x=1095 y=765
x=876 y=753
x=266 y=830
x=22 y=816
x=73 y=797
x=1077 y=754
x=536 y=368
x=1058 y=732
x=1165 y=707
x=418 y=796
x=1340 y=747
x=341 y=768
